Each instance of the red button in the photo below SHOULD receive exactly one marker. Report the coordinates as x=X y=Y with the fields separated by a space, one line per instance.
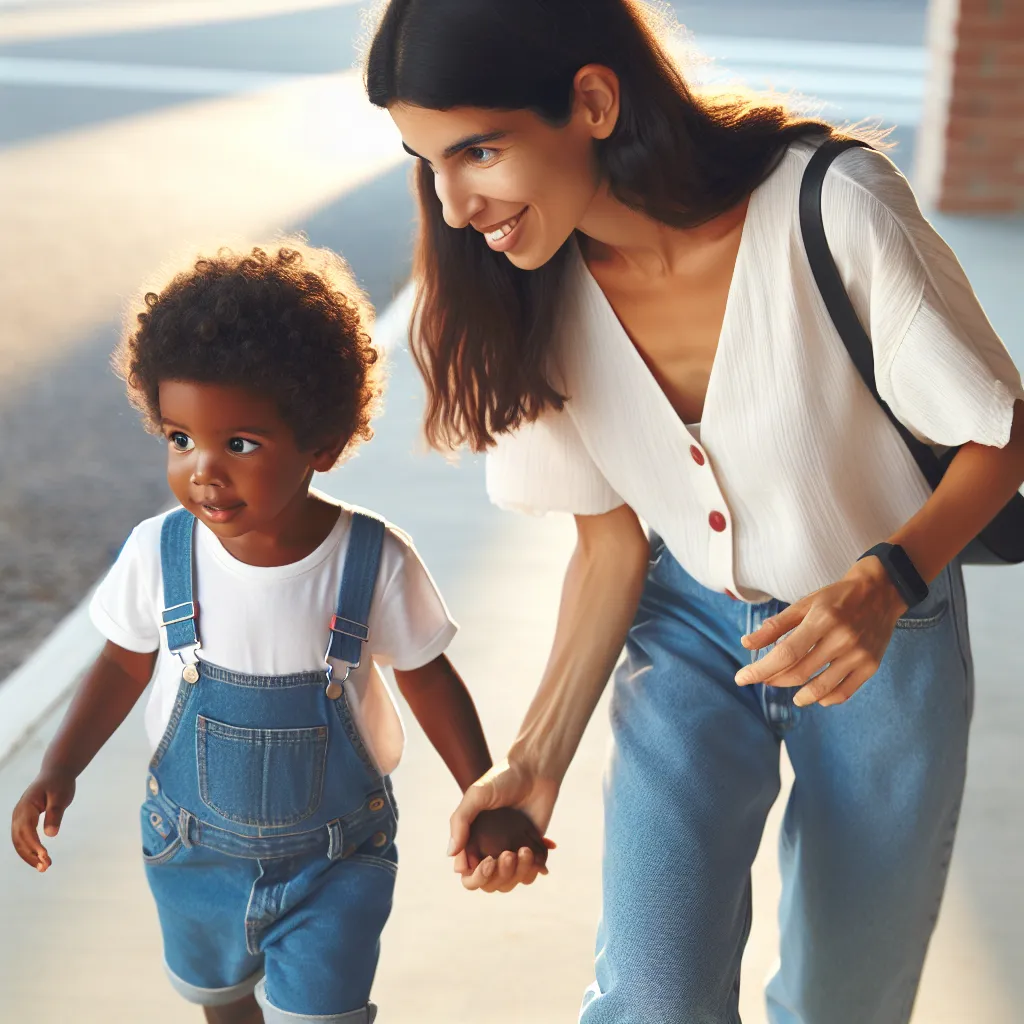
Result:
x=716 y=521
x=698 y=455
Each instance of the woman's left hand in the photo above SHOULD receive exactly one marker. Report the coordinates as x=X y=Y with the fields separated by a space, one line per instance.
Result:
x=839 y=632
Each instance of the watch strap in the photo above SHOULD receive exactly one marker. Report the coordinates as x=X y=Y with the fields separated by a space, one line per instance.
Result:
x=901 y=570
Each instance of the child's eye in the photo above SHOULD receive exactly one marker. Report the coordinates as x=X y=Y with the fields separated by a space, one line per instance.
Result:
x=182 y=442
x=240 y=446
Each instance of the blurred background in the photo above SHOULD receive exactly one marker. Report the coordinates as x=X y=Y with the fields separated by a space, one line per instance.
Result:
x=131 y=132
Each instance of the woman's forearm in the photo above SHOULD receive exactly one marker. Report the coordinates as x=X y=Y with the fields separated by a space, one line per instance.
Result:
x=977 y=484
x=602 y=589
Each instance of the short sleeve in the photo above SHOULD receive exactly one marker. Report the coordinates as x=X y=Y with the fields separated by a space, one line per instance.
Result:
x=544 y=466
x=939 y=365
x=122 y=605
x=409 y=622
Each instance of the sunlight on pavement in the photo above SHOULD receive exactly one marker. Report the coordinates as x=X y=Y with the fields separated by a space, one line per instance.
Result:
x=104 y=207
x=44 y=20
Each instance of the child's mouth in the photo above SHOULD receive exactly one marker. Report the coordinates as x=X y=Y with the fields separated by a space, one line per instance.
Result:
x=222 y=513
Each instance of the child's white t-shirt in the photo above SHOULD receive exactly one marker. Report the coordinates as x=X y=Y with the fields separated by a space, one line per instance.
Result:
x=274 y=620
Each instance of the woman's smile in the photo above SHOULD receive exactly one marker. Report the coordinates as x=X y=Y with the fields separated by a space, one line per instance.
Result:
x=504 y=235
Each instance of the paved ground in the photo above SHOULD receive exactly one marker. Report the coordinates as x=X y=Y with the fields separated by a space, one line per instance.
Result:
x=131 y=131
x=98 y=184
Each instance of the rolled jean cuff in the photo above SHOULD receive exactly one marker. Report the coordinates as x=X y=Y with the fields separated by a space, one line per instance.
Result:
x=273 y=1015
x=213 y=996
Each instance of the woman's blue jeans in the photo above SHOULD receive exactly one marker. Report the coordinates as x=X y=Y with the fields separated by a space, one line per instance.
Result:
x=867 y=834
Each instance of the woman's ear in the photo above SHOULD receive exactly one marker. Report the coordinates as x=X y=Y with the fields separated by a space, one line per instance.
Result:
x=597 y=99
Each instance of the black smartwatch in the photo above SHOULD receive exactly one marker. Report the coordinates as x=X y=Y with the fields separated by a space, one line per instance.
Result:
x=905 y=578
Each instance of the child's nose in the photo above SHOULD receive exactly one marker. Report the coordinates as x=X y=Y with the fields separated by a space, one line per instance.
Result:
x=206 y=469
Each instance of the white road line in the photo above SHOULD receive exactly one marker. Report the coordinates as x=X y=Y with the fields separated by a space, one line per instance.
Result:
x=912 y=60
x=34 y=689
x=846 y=80
x=141 y=77
x=852 y=80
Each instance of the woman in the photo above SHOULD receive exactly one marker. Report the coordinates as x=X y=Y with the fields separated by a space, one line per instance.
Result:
x=614 y=300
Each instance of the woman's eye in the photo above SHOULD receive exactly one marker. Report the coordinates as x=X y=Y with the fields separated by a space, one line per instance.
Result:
x=240 y=446
x=182 y=442
x=480 y=154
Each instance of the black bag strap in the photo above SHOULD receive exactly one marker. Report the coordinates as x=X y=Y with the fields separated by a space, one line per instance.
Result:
x=837 y=301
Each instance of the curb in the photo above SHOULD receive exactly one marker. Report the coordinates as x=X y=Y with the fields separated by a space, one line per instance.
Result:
x=50 y=672
x=44 y=679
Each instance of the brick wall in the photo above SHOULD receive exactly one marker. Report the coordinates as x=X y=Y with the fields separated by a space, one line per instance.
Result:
x=971 y=142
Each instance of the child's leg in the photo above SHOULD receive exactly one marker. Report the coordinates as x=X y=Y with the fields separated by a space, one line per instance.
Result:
x=321 y=948
x=245 y=1011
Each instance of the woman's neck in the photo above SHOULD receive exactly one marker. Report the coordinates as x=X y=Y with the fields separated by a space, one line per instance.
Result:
x=614 y=233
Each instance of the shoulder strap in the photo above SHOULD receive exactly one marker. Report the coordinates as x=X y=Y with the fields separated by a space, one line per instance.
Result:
x=176 y=560
x=837 y=301
x=350 y=624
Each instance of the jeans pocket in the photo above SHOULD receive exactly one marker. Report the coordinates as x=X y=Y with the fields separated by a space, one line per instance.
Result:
x=929 y=615
x=160 y=839
x=260 y=777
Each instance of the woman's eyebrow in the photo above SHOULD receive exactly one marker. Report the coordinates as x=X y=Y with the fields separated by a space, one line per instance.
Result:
x=466 y=143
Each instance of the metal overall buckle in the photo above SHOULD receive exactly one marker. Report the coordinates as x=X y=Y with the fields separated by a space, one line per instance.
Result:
x=353 y=629
x=189 y=672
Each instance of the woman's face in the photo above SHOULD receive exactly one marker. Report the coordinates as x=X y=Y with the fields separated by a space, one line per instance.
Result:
x=523 y=183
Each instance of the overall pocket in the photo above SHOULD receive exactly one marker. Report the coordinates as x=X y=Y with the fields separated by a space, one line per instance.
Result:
x=260 y=777
x=160 y=839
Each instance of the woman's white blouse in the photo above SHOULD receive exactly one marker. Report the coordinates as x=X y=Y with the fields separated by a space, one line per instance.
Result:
x=797 y=470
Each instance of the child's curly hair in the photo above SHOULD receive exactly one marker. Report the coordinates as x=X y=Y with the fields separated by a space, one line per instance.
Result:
x=287 y=321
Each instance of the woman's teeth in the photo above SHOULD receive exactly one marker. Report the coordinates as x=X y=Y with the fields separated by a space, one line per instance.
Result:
x=499 y=233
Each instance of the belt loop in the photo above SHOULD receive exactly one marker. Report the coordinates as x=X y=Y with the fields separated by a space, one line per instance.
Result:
x=184 y=823
x=334 y=840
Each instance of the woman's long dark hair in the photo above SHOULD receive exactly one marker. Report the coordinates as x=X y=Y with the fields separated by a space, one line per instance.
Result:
x=483 y=326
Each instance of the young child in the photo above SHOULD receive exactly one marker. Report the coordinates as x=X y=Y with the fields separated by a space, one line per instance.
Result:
x=269 y=822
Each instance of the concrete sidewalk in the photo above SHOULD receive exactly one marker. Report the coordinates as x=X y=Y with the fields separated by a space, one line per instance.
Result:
x=81 y=943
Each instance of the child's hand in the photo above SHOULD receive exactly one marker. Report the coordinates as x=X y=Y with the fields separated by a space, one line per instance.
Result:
x=50 y=794
x=506 y=842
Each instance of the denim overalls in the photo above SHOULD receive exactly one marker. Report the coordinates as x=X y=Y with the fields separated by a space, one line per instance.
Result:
x=268 y=834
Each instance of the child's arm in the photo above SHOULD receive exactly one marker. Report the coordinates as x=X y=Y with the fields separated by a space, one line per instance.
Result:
x=109 y=691
x=442 y=705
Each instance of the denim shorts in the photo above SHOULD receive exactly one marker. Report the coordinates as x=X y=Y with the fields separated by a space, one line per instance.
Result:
x=302 y=929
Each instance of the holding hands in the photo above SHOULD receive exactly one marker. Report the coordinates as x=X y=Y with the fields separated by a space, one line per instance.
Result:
x=496 y=830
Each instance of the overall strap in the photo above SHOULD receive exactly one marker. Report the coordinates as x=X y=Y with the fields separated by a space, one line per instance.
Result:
x=350 y=624
x=176 y=560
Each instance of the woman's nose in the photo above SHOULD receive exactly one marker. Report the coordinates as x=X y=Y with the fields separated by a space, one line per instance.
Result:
x=459 y=206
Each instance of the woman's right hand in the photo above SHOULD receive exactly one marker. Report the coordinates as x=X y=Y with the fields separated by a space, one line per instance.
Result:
x=505 y=785
x=49 y=796
x=603 y=582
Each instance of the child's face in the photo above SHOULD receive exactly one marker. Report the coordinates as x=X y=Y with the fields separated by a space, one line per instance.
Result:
x=232 y=461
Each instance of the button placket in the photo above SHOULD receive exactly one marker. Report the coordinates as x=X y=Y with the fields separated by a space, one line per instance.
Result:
x=720 y=541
